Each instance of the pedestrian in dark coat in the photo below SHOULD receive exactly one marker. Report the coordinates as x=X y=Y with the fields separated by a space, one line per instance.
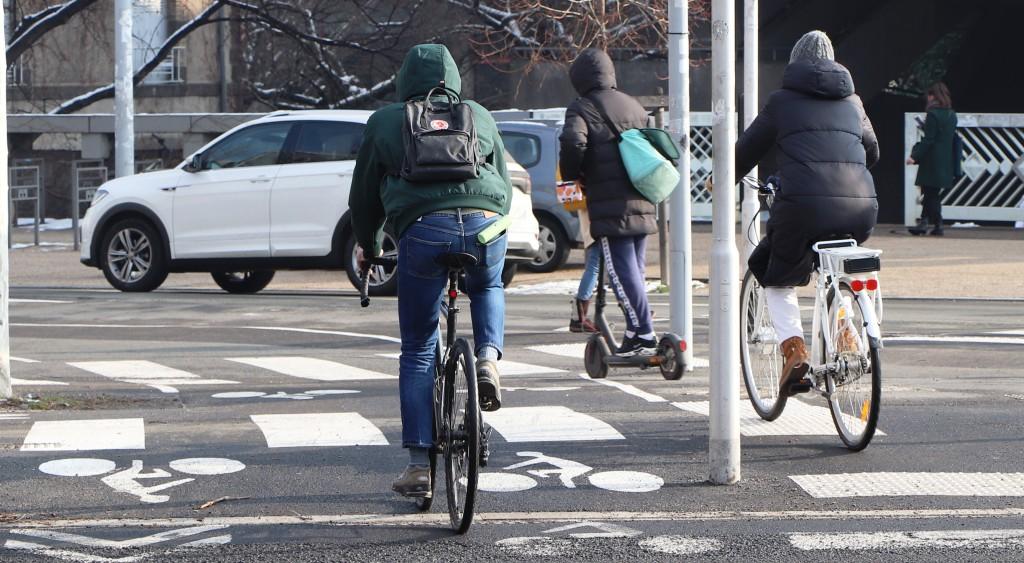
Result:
x=934 y=157
x=825 y=145
x=620 y=218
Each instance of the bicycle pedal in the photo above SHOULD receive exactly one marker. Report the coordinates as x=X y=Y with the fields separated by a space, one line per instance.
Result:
x=802 y=386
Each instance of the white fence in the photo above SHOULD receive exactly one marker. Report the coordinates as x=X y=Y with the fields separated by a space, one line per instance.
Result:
x=992 y=187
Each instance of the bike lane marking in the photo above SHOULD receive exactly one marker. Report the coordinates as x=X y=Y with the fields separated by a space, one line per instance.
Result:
x=318 y=430
x=144 y=372
x=628 y=389
x=944 y=539
x=64 y=540
x=311 y=368
x=888 y=484
x=85 y=435
x=798 y=419
x=549 y=424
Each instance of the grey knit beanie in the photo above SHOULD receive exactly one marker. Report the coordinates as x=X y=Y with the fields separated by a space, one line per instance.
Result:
x=814 y=45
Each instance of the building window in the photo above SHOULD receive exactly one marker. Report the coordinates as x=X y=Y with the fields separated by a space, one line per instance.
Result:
x=170 y=71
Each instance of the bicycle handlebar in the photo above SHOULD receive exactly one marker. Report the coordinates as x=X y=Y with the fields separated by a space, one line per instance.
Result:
x=364 y=287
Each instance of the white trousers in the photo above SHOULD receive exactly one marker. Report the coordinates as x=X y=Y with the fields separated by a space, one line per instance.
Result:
x=785 y=311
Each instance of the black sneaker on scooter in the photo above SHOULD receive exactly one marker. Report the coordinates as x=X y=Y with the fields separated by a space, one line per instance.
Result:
x=637 y=346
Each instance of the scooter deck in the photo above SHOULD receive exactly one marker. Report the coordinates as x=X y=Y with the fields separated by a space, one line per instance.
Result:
x=633 y=361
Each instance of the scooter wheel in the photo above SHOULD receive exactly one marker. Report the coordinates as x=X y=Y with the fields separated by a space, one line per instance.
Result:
x=671 y=349
x=594 y=358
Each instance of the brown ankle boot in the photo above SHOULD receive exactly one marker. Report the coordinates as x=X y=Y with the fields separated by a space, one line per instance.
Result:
x=579 y=321
x=795 y=368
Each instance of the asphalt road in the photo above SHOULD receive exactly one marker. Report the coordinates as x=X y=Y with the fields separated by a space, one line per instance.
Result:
x=286 y=404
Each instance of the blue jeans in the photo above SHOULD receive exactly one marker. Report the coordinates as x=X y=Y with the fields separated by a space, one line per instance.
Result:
x=421 y=285
x=588 y=282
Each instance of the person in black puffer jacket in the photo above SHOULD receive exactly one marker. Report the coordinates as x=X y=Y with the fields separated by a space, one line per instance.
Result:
x=825 y=146
x=620 y=218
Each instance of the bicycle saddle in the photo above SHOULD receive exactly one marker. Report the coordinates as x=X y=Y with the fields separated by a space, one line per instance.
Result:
x=456 y=260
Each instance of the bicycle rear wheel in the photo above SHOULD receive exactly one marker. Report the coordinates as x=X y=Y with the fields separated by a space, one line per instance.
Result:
x=759 y=351
x=461 y=435
x=855 y=389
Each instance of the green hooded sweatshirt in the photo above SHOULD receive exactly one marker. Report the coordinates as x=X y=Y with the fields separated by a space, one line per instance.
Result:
x=378 y=194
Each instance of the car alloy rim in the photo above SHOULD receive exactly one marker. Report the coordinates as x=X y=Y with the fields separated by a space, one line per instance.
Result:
x=380 y=275
x=130 y=255
x=547 y=246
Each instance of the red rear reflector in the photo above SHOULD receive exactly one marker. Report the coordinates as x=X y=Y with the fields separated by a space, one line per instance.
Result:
x=453 y=294
x=857 y=286
x=682 y=345
x=872 y=285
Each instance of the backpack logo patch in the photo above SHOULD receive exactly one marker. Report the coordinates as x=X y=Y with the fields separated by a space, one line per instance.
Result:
x=438 y=124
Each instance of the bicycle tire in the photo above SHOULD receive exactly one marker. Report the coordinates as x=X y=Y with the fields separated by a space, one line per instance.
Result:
x=461 y=435
x=759 y=352
x=854 y=406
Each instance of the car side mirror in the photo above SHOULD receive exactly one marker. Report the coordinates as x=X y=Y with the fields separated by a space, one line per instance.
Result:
x=194 y=164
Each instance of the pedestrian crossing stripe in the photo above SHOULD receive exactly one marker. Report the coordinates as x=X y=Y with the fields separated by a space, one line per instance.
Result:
x=890 y=484
x=798 y=419
x=35 y=382
x=163 y=378
x=311 y=368
x=85 y=435
x=505 y=367
x=577 y=349
x=549 y=424
x=318 y=430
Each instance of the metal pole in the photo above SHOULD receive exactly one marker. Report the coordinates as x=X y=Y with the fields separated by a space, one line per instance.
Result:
x=724 y=443
x=222 y=63
x=659 y=122
x=750 y=225
x=124 y=105
x=75 y=207
x=5 y=198
x=681 y=290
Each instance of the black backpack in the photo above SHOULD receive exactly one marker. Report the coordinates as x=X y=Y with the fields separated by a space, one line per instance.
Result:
x=440 y=140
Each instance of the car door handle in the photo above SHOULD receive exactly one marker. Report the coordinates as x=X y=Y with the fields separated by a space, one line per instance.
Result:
x=170 y=189
x=260 y=180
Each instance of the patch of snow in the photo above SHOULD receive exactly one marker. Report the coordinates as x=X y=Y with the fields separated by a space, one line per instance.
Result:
x=971 y=225
x=48 y=224
x=21 y=245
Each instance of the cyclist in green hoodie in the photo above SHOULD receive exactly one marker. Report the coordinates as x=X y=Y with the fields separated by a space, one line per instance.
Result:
x=430 y=218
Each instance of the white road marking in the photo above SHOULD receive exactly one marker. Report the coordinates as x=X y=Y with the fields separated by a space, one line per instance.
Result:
x=239 y=395
x=956 y=339
x=86 y=435
x=87 y=541
x=1009 y=332
x=889 y=484
x=799 y=419
x=312 y=368
x=626 y=481
x=538 y=546
x=549 y=424
x=24 y=360
x=628 y=389
x=78 y=467
x=946 y=539
x=498 y=482
x=318 y=429
x=576 y=350
x=607 y=530
x=420 y=519
x=680 y=545
x=35 y=382
x=39 y=301
x=207 y=466
x=13 y=416
x=549 y=389
x=143 y=372
x=334 y=332
x=506 y=367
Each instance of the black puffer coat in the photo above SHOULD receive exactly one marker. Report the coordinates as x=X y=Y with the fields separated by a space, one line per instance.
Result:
x=590 y=151
x=825 y=146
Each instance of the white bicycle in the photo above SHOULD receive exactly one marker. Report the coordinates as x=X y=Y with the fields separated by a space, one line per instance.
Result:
x=846 y=337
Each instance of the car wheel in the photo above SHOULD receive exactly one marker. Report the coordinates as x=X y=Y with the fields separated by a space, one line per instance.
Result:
x=243 y=282
x=132 y=255
x=383 y=279
x=508 y=273
x=554 y=247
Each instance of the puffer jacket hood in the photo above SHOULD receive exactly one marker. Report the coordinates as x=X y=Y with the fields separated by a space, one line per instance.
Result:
x=592 y=70
x=424 y=67
x=819 y=78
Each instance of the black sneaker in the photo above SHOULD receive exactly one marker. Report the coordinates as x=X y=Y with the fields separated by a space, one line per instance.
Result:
x=488 y=383
x=637 y=346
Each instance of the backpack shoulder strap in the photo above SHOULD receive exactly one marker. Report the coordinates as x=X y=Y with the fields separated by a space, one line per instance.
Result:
x=607 y=120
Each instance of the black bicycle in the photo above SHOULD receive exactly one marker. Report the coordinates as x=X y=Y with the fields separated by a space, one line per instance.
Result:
x=459 y=432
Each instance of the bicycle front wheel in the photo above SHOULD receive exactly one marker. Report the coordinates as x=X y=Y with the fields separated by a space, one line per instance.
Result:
x=461 y=433
x=759 y=351
x=855 y=385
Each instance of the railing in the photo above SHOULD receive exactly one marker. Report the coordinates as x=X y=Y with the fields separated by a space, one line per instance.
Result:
x=992 y=187
x=170 y=71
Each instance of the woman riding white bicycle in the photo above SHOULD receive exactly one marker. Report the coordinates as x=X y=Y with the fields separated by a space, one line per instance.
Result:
x=825 y=146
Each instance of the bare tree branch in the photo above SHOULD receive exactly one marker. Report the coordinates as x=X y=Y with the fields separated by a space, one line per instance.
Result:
x=36 y=25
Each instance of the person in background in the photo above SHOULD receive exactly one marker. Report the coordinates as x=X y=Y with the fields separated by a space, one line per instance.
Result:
x=620 y=218
x=826 y=145
x=933 y=156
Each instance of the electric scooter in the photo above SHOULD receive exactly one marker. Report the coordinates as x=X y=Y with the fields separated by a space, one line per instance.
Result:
x=599 y=356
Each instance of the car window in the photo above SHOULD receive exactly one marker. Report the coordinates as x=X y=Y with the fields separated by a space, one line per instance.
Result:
x=525 y=148
x=327 y=141
x=259 y=145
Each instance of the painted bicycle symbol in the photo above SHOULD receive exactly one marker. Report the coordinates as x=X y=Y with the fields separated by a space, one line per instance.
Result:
x=567 y=472
x=130 y=480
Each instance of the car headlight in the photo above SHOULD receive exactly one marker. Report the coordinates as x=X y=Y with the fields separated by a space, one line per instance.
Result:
x=98 y=196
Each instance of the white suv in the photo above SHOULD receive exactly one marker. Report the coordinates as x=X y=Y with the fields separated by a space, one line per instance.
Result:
x=268 y=195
